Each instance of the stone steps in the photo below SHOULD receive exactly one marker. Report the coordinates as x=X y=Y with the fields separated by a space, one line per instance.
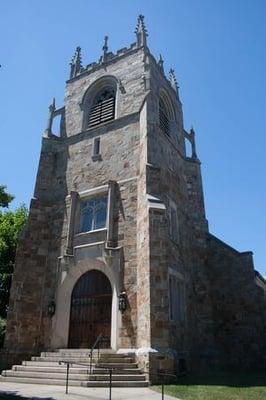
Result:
x=46 y=375
x=47 y=370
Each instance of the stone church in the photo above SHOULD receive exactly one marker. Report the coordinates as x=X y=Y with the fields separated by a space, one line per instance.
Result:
x=117 y=243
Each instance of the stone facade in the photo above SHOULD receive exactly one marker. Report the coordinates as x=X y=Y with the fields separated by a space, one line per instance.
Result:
x=156 y=230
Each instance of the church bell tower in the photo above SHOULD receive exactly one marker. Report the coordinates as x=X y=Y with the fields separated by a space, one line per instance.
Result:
x=117 y=243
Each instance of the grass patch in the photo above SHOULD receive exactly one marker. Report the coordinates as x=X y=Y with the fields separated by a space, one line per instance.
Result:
x=219 y=386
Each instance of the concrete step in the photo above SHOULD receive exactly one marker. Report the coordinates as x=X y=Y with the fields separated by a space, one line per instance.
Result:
x=74 y=374
x=73 y=369
x=65 y=354
x=105 y=351
x=48 y=364
x=116 y=365
x=39 y=381
x=127 y=371
x=61 y=382
x=121 y=360
x=116 y=384
x=117 y=377
x=58 y=358
x=116 y=355
x=72 y=353
x=59 y=369
x=45 y=375
x=48 y=356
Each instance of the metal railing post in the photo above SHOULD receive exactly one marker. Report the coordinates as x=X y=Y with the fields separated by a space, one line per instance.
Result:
x=90 y=361
x=110 y=384
x=98 y=350
x=163 y=387
x=97 y=342
x=67 y=378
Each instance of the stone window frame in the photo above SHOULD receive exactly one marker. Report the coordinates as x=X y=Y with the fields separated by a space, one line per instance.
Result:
x=74 y=213
x=179 y=293
x=101 y=201
x=108 y=81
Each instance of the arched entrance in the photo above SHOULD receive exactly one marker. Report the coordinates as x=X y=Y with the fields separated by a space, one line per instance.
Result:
x=90 y=314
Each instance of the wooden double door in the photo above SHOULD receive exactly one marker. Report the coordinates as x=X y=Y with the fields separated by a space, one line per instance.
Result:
x=91 y=308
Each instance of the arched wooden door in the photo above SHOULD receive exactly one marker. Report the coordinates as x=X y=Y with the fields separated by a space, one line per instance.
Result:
x=90 y=315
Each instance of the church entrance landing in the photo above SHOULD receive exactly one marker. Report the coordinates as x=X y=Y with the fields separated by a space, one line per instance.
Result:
x=90 y=314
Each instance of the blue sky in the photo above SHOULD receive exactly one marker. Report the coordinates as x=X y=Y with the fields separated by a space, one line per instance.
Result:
x=218 y=51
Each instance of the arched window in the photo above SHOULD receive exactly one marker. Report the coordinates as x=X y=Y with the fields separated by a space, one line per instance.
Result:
x=102 y=108
x=164 y=117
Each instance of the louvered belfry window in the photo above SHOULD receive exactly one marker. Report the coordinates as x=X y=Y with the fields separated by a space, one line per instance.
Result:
x=163 y=118
x=103 y=107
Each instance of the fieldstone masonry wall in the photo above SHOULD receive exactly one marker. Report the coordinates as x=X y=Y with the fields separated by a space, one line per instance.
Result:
x=238 y=306
x=149 y=171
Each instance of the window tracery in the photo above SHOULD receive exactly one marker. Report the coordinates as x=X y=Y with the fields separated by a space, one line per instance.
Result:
x=93 y=214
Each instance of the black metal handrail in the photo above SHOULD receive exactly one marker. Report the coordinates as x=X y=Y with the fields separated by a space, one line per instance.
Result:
x=100 y=338
x=163 y=375
x=68 y=363
x=159 y=373
x=96 y=343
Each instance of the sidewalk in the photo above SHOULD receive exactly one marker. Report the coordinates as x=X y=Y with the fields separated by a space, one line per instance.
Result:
x=20 y=391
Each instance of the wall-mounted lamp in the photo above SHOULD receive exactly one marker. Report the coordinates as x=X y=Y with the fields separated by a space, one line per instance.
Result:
x=122 y=304
x=51 y=308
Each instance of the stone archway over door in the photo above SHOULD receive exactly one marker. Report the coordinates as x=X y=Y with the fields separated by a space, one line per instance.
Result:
x=91 y=309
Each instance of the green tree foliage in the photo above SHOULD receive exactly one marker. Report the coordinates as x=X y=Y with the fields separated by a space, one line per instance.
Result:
x=5 y=198
x=11 y=224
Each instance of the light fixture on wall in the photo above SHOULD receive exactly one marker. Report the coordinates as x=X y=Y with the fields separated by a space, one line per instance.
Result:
x=51 y=308
x=122 y=304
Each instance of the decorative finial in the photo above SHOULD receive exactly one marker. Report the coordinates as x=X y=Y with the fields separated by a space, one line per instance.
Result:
x=193 y=143
x=105 y=49
x=76 y=63
x=160 y=63
x=173 y=80
x=141 y=32
x=52 y=108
